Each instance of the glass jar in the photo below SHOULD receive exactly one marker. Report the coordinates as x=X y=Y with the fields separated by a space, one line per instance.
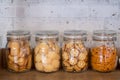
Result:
x=75 y=51
x=18 y=55
x=103 y=51
x=47 y=52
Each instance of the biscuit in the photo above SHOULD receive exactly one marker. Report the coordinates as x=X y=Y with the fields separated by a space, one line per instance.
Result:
x=82 y=56
x=75 y=56
x=49 y=68
x=69 y=69
x=36 y=50
x=39 y=66
x=66 y=64
x=13 y=67
x=38 y=58
x=65 y=56
x=74 y=52
x=18 y=55
x=11 y=58
x=81 y=64
x=69 y=45
x=73 y=61
x=29 y=62
x=47 y=54
x=23 y=62
x=53 y=55
x=77 y=69
x=56 y=64
x=43 y=45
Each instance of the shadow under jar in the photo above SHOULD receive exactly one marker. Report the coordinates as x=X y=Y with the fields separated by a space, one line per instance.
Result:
x=75 y=51
x=47 y=52
x=18 y=52
x=103 y=51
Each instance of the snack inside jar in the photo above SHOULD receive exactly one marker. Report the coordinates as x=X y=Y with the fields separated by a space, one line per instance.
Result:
x=103 y=52
x=47 y=51
x=74 y=51
x=18 y=51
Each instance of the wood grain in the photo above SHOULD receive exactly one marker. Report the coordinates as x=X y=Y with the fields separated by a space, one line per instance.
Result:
x=61 y=75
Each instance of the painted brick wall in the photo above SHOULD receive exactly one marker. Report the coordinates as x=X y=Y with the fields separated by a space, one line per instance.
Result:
x=59 y=15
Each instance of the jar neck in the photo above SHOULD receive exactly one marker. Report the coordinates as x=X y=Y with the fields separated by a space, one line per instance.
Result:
x=46 y=39
x=98 y=40
x=18 y=38
x=75 y=39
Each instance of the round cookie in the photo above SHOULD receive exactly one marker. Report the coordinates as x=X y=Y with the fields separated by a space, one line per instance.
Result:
x=72 y=61
x=81 y=64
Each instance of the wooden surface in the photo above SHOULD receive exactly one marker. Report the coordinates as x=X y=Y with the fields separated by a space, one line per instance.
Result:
x=35 y=75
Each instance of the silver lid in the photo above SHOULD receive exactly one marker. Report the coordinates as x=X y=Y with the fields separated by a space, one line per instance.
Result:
x=47 y=34
x=15 y=34
x=75 y=34
x=104 y=35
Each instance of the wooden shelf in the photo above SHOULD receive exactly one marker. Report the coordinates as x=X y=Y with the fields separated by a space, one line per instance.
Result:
x=61 y=75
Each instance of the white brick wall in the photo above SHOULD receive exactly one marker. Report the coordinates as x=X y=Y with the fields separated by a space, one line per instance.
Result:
x=59 y=15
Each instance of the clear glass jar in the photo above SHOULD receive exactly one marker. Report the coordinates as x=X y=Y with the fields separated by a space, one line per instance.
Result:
x=47 y=51
x=19 y=57
x=75 y=51
x=103 y=51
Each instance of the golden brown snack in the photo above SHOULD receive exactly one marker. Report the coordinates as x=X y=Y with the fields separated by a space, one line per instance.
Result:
x=13 y=67
x=29 y=63
x=81 y=64
x=69 y=69
x=74 y=56
x=66 y=64
x=65 y=56
x=82 y=56
x=39 y=66
x=56 y=64
x=72 y=61
x=47 y=57
x=15 y=48
x=77 y=68
x=103 y=58
x=19 y=56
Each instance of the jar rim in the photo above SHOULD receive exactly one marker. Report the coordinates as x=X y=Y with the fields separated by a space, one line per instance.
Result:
x=75 y=34
x=18 y=33
x=104 y=35
x=47 y=34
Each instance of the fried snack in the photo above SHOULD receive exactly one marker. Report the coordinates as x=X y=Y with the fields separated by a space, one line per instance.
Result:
x=47 y=57
x=19 y=56
x=74 y=56
x=103 y=58
x=15 y=48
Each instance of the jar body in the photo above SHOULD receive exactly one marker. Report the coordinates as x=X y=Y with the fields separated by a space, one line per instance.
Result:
x=46 y=55
x=103 y=56
x=74 y=55
x=19 y=57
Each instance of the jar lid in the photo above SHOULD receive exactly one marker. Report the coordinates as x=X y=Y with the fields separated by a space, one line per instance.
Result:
x=78 y=34
x=104 y=35
x=18 y=33
x=47 y=34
